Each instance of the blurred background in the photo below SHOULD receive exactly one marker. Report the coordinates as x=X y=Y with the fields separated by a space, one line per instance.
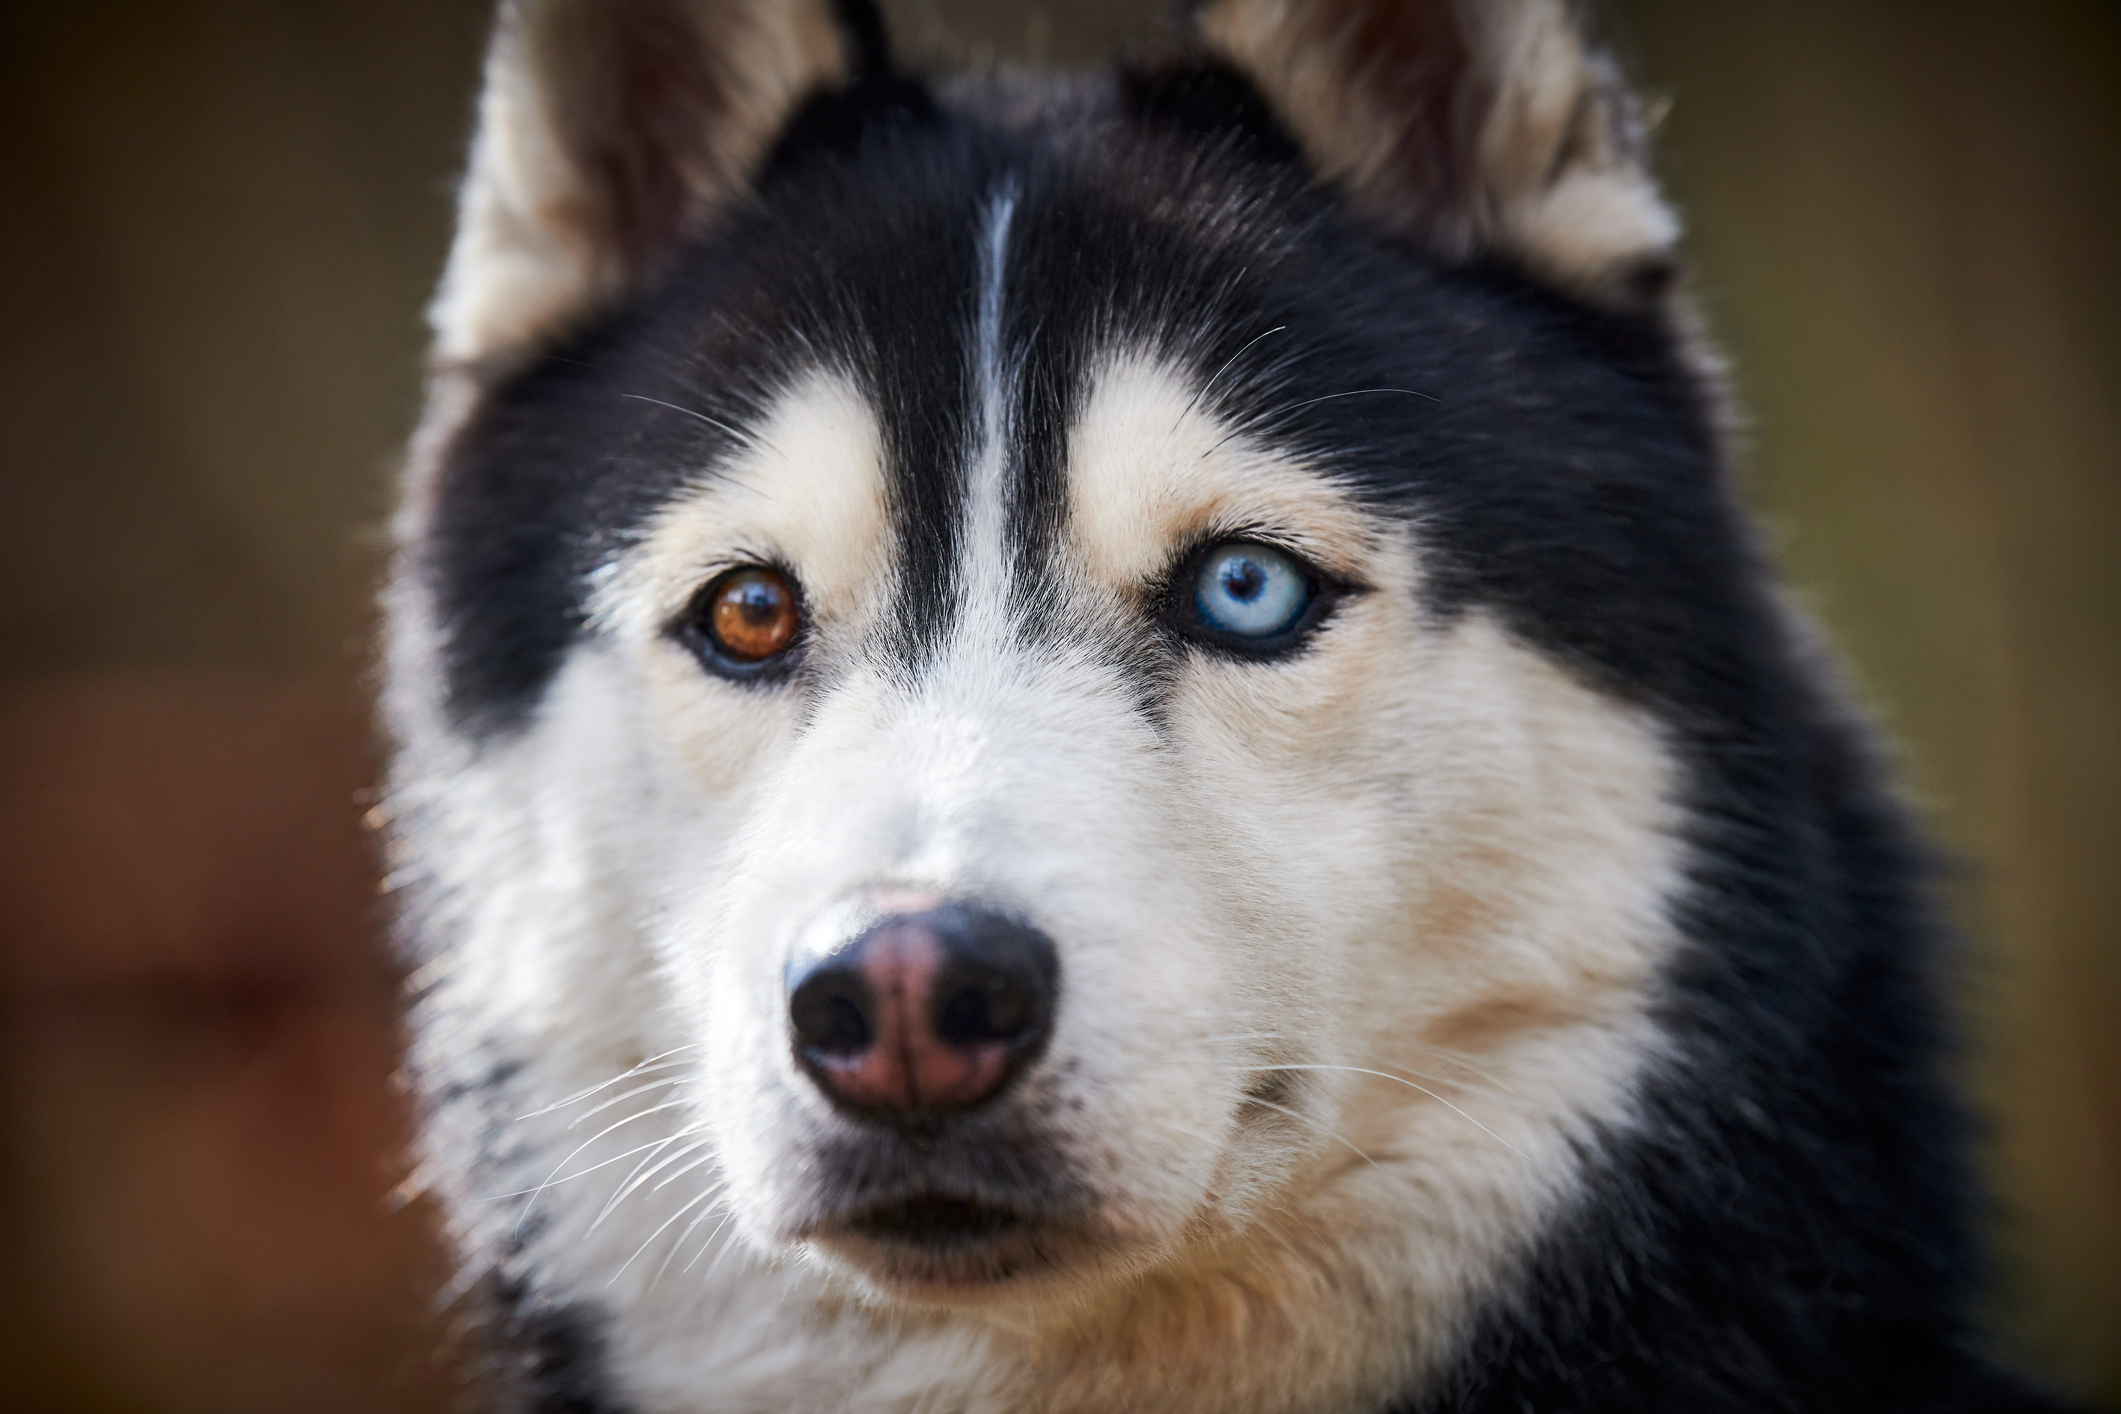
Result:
x=218 y=221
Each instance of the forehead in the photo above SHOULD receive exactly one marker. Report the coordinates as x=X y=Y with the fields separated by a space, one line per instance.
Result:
x=981 y=293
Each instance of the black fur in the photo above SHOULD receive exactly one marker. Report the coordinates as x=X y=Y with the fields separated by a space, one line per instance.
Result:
x=546 y=1359
x=1794 y=1228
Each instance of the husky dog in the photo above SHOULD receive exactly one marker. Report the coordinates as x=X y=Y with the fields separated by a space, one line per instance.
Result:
x=1111 y=743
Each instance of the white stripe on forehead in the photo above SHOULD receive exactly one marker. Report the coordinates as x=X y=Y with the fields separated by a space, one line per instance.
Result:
x=983 y=570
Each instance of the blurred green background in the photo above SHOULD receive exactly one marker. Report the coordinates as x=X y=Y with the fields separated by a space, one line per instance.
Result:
x=219 y=221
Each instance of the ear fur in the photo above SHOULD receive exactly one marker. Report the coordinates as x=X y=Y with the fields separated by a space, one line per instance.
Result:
x=607 y=131
x=1479 y=126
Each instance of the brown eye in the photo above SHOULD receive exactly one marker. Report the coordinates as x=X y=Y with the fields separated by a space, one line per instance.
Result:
x=751 y=614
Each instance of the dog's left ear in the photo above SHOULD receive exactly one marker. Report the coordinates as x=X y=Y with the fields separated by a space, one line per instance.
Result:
x=609 y=131
x=1479 y=126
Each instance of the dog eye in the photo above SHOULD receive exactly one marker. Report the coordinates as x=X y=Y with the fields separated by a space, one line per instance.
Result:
x=1250 y=593
x=747 y=618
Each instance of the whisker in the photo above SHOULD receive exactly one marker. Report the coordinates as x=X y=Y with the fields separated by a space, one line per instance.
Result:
x=621 y=1124
x=707 y=1157
x=1322 y=1128
x=632 y=1182
x=584 y=1173
x=1485 y=1076
x=1482 y=1083
x=1493 y=1089
x=1221 y=371
x=703 y=417
x=1400 y=1079
x=724 y=1256
x=625 y=1095
x=690 y=1204
x=685 y=1236
x=1192 y=1133
x=720 y=1256
x=1282 y=412
x=653 y=1062
x=1355 y=393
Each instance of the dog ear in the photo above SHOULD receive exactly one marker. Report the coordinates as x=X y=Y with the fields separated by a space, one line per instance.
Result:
x=1478 y=126
x=608 y=131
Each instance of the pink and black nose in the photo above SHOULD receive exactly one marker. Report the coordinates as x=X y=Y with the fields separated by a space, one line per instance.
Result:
x=926 y=1014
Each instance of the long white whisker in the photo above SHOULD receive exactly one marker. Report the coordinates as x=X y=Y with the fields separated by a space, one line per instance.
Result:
x=1324 y=1129
x=653 y=1062
x=1402 y=1080
x=1489 y=1086
x=705 y=1158
x=690 y=1204
x=703 y=417
x=1221 y=371
x=624 y=1095
x=719 y=1256
x=583 y=1173
x=635 y=1179
x=621 y=1124
x=1479 y=1073
x=1481 y=1084
x=684 y=1237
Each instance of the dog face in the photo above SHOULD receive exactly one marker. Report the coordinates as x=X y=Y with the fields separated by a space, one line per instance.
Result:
x=1221 y=836
x=1092 y=705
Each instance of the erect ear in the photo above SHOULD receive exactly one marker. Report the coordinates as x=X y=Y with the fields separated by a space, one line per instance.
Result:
x=607 y=132
x=1480 y=126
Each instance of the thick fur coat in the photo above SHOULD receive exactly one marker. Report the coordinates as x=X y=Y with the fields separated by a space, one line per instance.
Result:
x=1238 y=554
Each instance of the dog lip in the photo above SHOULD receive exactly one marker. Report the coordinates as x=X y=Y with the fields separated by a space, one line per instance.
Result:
x=937 y=1242
x=936 y=1221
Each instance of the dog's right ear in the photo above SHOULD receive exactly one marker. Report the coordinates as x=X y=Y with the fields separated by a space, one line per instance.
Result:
x=608 y=131
x=1480 y=127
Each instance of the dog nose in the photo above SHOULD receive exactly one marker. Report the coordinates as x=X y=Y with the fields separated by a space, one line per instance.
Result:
x=925 y=1014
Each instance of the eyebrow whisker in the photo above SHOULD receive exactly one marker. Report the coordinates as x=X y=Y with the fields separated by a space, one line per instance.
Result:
x=689 y=412
x=1282 y=412
x=1220 y=372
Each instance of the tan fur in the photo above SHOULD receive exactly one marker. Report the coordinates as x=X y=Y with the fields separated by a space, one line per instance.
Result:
x=608 y=130
x=1497 y=979
x=1419 y=857
x=1480 y=125
x=1418 y=866
x=809 y=491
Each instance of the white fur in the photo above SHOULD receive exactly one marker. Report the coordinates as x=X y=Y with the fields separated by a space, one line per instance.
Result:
x=1421 y=851
x=1419 y=872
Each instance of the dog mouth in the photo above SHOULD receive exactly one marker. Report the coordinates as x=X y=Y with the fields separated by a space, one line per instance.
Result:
x=944 y=1244
x=937 y=1222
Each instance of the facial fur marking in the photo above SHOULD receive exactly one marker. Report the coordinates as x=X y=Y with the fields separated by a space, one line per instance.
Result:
x=984 y=577
x=1392 y=1022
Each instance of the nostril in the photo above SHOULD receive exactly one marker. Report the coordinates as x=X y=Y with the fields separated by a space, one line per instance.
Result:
x=976 y=1005
x=831 y=1011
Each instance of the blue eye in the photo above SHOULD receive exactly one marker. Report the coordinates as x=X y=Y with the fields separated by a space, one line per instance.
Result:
x=1249 y=591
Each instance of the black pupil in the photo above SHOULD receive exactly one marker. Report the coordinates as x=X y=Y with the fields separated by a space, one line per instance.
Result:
x=1243 y=579
x=759 y=601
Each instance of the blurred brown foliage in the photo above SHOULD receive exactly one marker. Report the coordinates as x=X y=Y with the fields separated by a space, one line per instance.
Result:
x=222 y=218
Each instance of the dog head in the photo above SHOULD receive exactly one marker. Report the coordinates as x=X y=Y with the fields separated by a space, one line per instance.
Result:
x=1095 y=658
